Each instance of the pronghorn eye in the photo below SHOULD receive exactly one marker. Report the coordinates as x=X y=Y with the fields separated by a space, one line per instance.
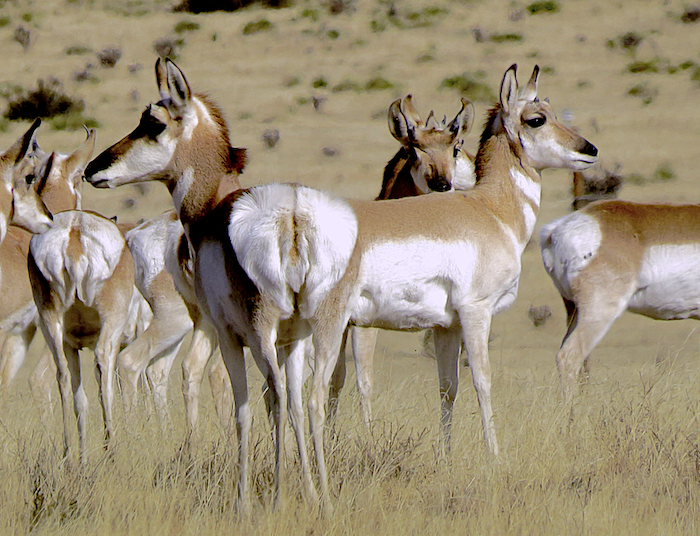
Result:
x=30 y=179
x=535 y=122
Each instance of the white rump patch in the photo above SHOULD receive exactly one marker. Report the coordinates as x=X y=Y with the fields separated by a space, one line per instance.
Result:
x=84 y=275
x=568 y=246
x=292 y=239
x=147 y=245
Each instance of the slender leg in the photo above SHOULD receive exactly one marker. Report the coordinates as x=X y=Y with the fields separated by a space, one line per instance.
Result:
x=106 y=352
x=220 y=385
x=41 y=382
x=594 y=312
x=232 y=354
x=295 y=381
x=338 y=379
x=447 y=346
x=476 y=325
x=158 y=373
x=204 y=341
x=364 y=341
x=14 y=351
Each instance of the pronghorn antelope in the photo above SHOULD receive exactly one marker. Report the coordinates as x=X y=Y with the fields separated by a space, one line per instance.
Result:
x=183 y=141
x=614 y=256
x=175 y=313
x=82 y=277
x=431 y=159
x=58 y=185
x=449 y=261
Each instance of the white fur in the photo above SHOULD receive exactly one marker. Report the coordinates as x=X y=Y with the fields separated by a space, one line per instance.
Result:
x=102 y=245
x=182 y=186
x=532 y=190
x=668 y=283
x=140 y=162
x=147 y=245
x=288 y=236
x=3 y=226
x=568 y=246
x=464 y=174
x=408 y=285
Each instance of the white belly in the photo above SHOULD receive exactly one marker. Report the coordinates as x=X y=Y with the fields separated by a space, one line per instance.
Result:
x=669 y=283
x=411 y=286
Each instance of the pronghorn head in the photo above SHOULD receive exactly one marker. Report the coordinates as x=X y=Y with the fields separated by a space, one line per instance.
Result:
x=20 y=204
x=180 y=130
x=60 y=176
x=533 y=130
x=434 y=148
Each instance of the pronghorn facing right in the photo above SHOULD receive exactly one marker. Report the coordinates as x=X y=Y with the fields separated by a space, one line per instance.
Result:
x=431 y=159
x=614 y=256
x=449 y=261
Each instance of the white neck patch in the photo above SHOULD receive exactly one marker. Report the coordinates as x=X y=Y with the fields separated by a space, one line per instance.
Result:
x=184 y=183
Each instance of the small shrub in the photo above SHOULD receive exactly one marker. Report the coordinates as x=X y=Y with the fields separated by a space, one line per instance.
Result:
x=47 y=100
x=77 y=50
x=167 y=47
x=470 y=87
x=291 y=81
x=691 y=15
x=333 y=34
x=643 y=92
x=506 y=38
x=629 y=42
x=186 y=26
x=319 y=82
x=209 y=6
x=262 y=25
x=4 y=21
x=27 y=17
x=336 y=7
x=23 y=37
x=664 y=173
x=640 y=66
x=544 y=7
x=377 y=84
x=310 y=14
x=109 y=57
x=377 y=26
x=346 y=85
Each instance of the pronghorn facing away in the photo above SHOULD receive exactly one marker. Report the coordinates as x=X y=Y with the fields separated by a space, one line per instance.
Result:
x=58 y=185
x=614 y=256
x=431 y=159
x=183 y=141
x=449 y=261
x=82 y=277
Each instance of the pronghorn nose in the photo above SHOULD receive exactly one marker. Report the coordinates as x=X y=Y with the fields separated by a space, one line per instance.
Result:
x=589 y=149
x=440 y=185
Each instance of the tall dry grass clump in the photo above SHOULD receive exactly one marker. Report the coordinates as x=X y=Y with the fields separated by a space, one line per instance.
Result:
x=628 y=463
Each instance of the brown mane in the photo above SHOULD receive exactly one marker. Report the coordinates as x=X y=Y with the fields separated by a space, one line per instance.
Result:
x=234 y=158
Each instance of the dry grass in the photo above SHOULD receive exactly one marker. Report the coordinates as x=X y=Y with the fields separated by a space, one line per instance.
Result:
x=629 y=463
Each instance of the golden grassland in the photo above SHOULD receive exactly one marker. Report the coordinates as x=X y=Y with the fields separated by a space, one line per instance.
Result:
x=627 y=463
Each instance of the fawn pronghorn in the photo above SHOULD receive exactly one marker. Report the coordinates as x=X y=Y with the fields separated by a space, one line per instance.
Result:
x=82 y=277
x=431 y=159
x=613 y=256
x=183 y=141
x=58 y=185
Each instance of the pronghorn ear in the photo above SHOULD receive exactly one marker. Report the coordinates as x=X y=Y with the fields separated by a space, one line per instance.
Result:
x=76 y=162
x=399 y=125
x=162 y=79
x=529 y=92
x=44 y=170
x=178 y=87
x=464 y=120
x=509 y=89
x=23 y=145
x=409 y=110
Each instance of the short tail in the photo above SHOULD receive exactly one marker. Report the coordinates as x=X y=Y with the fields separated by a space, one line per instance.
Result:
x=294 y=242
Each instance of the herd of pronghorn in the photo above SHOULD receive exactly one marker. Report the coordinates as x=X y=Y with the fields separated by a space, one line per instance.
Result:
x=291 y=272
